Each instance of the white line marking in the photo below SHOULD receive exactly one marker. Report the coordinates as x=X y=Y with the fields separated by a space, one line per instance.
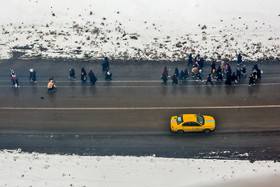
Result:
x=143 y=108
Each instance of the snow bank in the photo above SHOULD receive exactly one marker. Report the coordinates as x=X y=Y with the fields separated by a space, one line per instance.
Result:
x=26 y=169
x=140 y=29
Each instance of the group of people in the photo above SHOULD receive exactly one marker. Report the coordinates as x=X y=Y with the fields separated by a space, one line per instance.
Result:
x=72 y=76
x=224 y=70
x=92 y=77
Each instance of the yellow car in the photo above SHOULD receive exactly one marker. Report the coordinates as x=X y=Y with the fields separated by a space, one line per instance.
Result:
x=192 y=123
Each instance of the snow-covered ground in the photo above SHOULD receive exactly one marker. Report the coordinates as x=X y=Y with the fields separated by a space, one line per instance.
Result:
x=34 y=169
x=136 y=29
x=141 y=29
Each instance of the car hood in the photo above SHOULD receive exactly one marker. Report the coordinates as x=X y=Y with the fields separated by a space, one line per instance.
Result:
x=209 y=121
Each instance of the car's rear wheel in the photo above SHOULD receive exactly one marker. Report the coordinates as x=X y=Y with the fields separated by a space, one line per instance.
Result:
x=207 y=131
x=180 y=131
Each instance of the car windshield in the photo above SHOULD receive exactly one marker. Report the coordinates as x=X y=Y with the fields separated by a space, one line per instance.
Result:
x=179 y=119
x=200 y=119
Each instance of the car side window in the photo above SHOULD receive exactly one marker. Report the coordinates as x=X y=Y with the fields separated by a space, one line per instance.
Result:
x=195 y=124
x=187 y=124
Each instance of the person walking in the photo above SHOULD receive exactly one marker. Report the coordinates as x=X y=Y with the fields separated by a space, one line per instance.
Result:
x=164 y=78
x=181 y=77
x=14 y=78
x=83 y=76
x=239 y=59
x=243 y=71
x=32 y=75
x=251 y=79
x=108 y=75
x=105 y=64
x=234 y=78
x=219 y=74
x=209 y=79
x=92 y=77
x=51 y=85
x=174 y=79
x=238 y=74
x=223 y=67
x=213 y=67
x=190 y=60
x=186 y=73
x=165 y=71
x=177 y=71
x=201 y=63
x=71 y=74
x=228 y=75
x=199 y=75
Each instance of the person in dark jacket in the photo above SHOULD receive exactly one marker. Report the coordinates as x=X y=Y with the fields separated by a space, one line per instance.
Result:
x=72 y=74
x=83 y=76
x=15 y=82
x=209 y=79
x=174 y=79
x=219 y=74
x=243 y=71
x=251 y=79
x=92 y=77
x=197 y=58
x=186 y=73
x=177 y=71
x=258 y=71
x=201 y=63
x=234 y=77
x=164 y=78
x=190 y=61
x=199 y=75
x=239 y=59
x=32 y=75
x=108 y=75
x=238 y=73
x=228 y=75
x=105 y=64
x=165 y=71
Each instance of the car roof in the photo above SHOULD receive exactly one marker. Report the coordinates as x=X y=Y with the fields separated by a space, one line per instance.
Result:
x=189 y=117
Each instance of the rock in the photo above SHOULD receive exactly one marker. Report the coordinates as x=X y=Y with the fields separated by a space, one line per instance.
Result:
x=179 y=44
x=133 y=37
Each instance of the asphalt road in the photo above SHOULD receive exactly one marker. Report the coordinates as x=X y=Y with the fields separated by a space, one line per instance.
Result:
x=130 y=115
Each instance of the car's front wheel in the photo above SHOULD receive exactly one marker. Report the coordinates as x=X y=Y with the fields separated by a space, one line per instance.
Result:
x=180 y=131
x=207 y=131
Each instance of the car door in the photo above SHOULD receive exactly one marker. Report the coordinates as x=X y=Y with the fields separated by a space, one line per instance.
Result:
x=196 y=127
x=187 y=127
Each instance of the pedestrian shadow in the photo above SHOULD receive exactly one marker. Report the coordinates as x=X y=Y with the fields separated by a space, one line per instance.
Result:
x=253 y=90
x=84 y=90
x=230 y=89
x=208 y=90
x=16 y=92
x=93 y=89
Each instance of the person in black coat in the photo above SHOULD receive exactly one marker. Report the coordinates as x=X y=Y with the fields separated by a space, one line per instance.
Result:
x=219 y=74
x=177 y=71
x=105 y=64
x=239 y=59
x=190 y=61
x=228 y=80
x=164 y=78
x=83 y=76
x=174 y=79
x=201 y=63
x=92 y=77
